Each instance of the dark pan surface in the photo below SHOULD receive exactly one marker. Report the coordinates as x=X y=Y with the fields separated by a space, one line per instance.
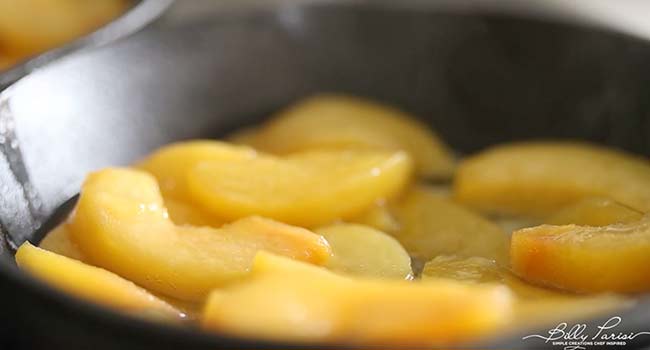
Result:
x=477 y=79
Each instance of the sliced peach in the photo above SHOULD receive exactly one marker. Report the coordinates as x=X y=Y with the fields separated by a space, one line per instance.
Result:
x=363 y=251
x=120 y=224
x=58 y=241
x=344 y=122
x=533 y=305
x=481 y=270
x=594 y=211
x=468 y=269
x=28 y=27
x=183 y=213
x=91 y=283
x=170 y=164
x=306 y=189
x=613 y=258
x=7 y=60
x=308 y=303
x=537 y=178
x=432 y=225
x=379 y=217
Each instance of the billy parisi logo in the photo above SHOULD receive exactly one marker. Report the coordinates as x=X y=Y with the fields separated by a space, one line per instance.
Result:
x=578 y=337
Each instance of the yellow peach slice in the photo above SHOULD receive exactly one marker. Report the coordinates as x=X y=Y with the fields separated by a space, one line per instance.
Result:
x=7 y=60
x=58 y=241
x=182 y=213
x=379 y=217
x=466 y=269
x=31 y=26
x=120 y=224
x=344 y=122
x=170 y=164
x=594 y=211
x=432 y=225
x=91 y=283
x=481 y=270
x=306 y=189
x=613 y=258
x=363 y=251
x=533 y=305
x=308 y=303
x=537 y=178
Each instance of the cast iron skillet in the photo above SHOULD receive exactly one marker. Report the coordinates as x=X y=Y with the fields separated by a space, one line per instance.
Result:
x=141 y=13
x=477 y=79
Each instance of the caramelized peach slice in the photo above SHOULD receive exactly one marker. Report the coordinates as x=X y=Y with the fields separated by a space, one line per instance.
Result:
x=433 y=225
x=533 y=305
x=613 y=258
x=308 y=303
x=343 y=122
x=120 y=224
x=91 y=283
x=481 y=270
x=170 y=164
x=28 y=27
x=306 y=189
x=363 y=251
x=182 y=213
x=536 y=178
x=467 y=269
x=58 y=241
x=594 y=211
x=7 y=60
x=379 y=217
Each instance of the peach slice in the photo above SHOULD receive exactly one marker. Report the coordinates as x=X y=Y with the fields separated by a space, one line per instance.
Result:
x=363 y=251
x=308 y=303
x=473 y=269
x=7 y=60
x=613 y=258
x=344 y=122
x=58 y=241
x=594 y=211
x=120 y=224
x=307 y=189
x=182 y=213
x=433 y=225
x=28 y=27
x=536 y=178
x=170 y=164
x=380 y=217
x=91 y=283
x=533 y=305
x=481 y=270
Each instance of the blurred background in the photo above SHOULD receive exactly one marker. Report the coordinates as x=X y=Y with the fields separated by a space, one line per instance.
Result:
x=31 y=27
